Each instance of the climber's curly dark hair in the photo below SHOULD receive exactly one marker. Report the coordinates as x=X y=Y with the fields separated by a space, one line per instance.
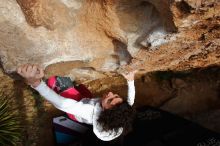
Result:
x=121 y=115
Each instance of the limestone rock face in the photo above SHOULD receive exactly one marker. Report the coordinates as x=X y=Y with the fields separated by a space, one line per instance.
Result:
x=103 y=35
x=92 y=40
x=195 y=45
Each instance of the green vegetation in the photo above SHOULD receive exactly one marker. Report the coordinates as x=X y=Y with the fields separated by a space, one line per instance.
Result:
x=10 y=129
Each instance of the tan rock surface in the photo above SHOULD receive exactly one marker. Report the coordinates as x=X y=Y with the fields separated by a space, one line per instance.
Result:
x=106 y=32
x=89 y=40
x=103 y=35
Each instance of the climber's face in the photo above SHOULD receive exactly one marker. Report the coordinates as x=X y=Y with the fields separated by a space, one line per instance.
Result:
x=110 y=99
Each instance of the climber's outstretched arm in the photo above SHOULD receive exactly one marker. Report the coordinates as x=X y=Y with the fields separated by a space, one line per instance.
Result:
x=131 y=88
x=33 y=75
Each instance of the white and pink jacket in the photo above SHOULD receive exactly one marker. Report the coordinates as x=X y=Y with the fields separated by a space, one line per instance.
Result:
x=87 y=110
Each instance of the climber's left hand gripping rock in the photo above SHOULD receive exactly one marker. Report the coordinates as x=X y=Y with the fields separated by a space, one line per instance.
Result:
x=31 y=73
